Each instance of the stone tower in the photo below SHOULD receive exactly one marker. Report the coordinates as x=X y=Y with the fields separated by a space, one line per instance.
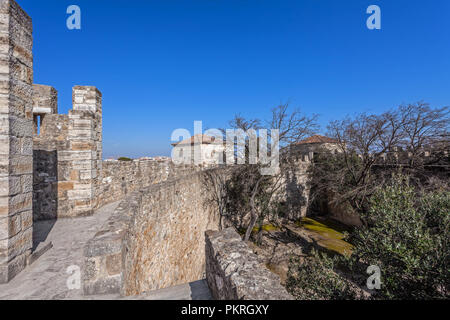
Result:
x=16 y=135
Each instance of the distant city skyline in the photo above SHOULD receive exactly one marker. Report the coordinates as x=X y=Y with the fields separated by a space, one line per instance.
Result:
x=163 y=64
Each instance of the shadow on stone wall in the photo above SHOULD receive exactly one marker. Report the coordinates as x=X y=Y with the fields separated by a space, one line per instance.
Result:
x=45 y=194
x=296 y=202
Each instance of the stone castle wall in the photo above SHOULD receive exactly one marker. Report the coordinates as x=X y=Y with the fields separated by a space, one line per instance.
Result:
x=234 y=272
x=67 y=153
x=70 y=177
x=154 y=239
x=16 y=142
x=294 y=192
x=119 y=178
x=51 y=167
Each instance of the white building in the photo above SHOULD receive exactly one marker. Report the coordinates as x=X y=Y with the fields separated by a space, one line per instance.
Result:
x=199 y=149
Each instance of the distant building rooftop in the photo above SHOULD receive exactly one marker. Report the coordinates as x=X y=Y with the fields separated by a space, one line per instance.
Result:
x=317 y=139
x=198 y=138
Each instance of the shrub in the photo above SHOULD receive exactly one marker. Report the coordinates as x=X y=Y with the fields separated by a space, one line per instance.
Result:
x=124 y=159
x=315 y=279
x=407 y=236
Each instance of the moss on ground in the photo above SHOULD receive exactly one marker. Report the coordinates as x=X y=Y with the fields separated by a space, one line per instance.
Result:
x=267 y=227
x=327 y=237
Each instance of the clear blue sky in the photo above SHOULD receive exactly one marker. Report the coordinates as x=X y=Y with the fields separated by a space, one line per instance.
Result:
x=161 y=64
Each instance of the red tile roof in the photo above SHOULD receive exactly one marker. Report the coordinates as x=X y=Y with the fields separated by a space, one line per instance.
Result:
x=317 y=139
x=202 y=138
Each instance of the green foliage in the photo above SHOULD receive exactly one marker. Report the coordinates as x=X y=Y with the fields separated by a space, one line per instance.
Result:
x=315 y=279
x=124 y=159
x=239 y=190
x=407 y=236
x=342 y=178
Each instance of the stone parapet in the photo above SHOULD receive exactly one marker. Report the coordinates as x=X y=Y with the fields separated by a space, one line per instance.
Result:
x=119 y=178
x=153 y=240
x=234 y=272
x=45 y=99
x=105 y=253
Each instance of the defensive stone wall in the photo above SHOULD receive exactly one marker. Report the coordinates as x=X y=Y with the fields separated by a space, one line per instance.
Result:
x=294 y=192
x=16 y=139
x=67 y=153
x=234 y=272
x=154 y=239
x=70 y=177
x=119 y=178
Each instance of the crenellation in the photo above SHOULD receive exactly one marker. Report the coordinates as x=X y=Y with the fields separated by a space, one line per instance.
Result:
x=67 y=145
x=45 y=99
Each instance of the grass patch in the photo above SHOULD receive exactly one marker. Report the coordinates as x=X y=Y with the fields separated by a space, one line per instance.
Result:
x=328 y=237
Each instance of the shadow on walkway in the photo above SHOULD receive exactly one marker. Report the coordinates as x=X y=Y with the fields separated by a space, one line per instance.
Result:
x=200 y=290
x=41 y=230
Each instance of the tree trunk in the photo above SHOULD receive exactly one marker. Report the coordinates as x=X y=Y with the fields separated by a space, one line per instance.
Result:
x=253 y=212
x=252 y=224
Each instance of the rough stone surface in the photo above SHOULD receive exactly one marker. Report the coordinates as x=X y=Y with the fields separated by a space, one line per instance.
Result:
x=157 y=232
x=234 y=272
x=109 y=241
x=119 y=178
x=69 y=176
x=47 y=277
x=295 y=189
x=197 y=290
x=67 y=154
x=165 y=242
x=45 y=102
x=16 y=125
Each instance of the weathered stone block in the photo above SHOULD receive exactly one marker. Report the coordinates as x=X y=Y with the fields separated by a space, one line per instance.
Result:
x=4 y=232
x=14 y=225
x=234 y=272
x=110 y=285
x=114 y=264
x=16 y=63
x=27 y=219
x=20 y=164
x=20 y=202
x=104 y=247
x=45 y=98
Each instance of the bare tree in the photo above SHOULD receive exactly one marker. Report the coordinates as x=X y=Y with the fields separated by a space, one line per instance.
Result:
x=373 y=141
x=425 y=128
x=216 y=181
x=259 y=189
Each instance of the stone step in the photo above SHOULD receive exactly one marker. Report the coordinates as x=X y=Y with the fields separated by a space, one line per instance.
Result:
x=197 y=290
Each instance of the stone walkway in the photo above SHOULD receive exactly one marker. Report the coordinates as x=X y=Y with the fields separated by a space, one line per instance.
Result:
x=197 y=290
x=46 y=278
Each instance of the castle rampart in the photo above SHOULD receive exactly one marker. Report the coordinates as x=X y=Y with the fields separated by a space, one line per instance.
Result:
x=70 y=177
x=67 y=153
x=16 y=145
x=119 y=178
x=154 y=239
x=234 y=272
